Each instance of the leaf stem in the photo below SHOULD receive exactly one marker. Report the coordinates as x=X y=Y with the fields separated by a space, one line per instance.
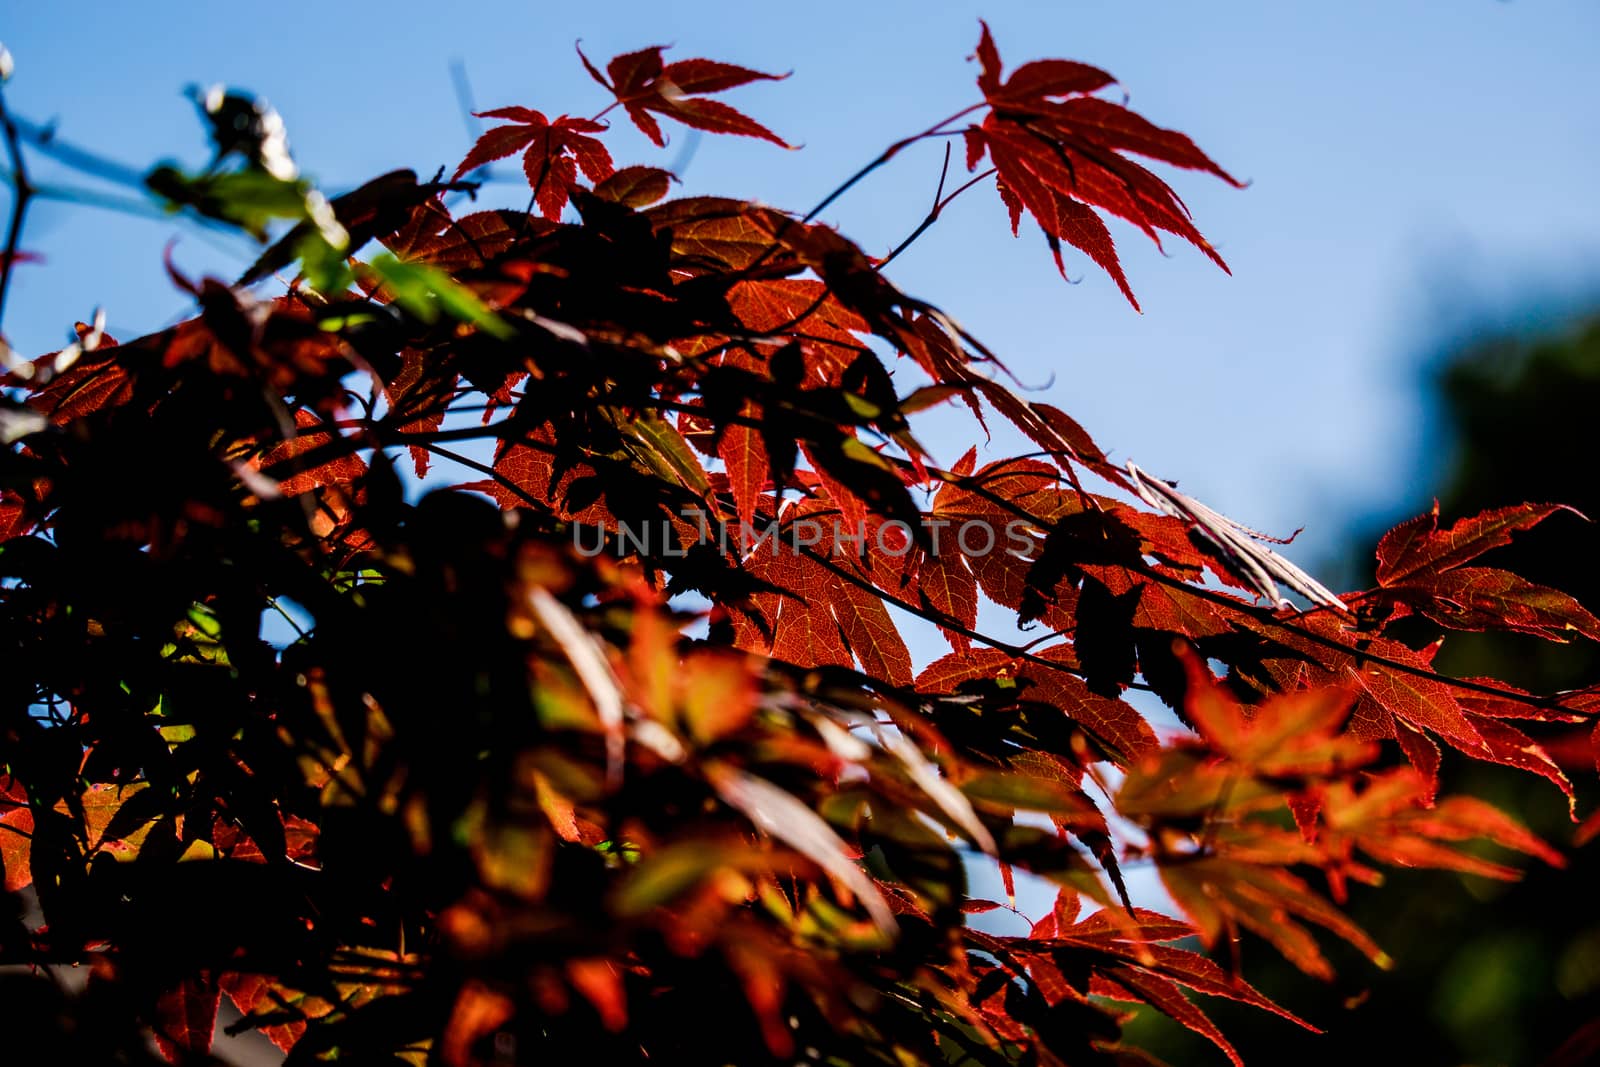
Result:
x=888 y=153
x=936 y=130
x=933 y=215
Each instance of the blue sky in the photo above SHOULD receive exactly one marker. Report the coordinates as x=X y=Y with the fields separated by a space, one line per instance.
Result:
x=1414 y=168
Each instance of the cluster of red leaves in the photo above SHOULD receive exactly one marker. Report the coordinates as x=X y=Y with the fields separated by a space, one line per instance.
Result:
x=497 y=792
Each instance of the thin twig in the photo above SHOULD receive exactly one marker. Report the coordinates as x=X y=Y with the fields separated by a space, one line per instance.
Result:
x=463 y=88
x=936 y=130
x=22 y=192
x=933 y=216
x=888 y=154
x=72 y=194
x=44 y=140
x=469 y=118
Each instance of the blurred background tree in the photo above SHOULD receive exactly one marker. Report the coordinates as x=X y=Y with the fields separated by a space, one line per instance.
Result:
x=1487 y=974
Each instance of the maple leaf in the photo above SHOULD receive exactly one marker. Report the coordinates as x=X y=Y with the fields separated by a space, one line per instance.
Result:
x=643 y=82
x=16 y=833
x=811 y=616
x=947 y=673
x=771 y=308
x=713 y=232
x=1487 y=598
x=1389 y=820
x=332 y=463
x=1058 y=153
x=1421 y=567
x=990 y=501
x=533 y=473
x=1417 y=547
x=467 y=243
x=414 y=391
x=636 y=187
x=1149 y=972
x=115 y=818
x=81 y=385
x=1287 y=735
x=277 y=1011
x=1239 y=874
x=1395 y=684
x=186 y=1019
x=945 y=583
x=1221 y=896
x=13 y=515
x=807 y=310
x=745 y=458
x=1120 y=729
x=553 y=152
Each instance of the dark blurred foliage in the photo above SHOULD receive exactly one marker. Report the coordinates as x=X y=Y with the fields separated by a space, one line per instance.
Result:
x=1487 y=974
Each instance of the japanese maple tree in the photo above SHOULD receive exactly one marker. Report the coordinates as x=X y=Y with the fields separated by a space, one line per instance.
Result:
x=617 y=749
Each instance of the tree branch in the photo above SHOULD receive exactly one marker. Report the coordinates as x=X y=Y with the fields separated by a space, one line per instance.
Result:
x=22 y=192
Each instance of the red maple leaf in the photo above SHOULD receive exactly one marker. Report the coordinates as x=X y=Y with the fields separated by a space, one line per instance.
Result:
x=643 y=83
x=186 y=1018
x=552 y=153
x=1059 y=154
x=16 y=835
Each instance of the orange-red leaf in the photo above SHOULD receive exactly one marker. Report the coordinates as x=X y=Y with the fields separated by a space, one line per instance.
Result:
x=186 y=1019
x=718 y=693
x=258 y=995
x=478 y=1012
x=16 y=833
x=1503 y=743
x=1220 y=895
x=945 y=674
x=1114 y=723
x=599 y=980
x=1289 y=734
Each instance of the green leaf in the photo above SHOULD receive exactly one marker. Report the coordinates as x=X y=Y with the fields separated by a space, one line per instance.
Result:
x=425 y=291
x=248 y=199
x=665 y=450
